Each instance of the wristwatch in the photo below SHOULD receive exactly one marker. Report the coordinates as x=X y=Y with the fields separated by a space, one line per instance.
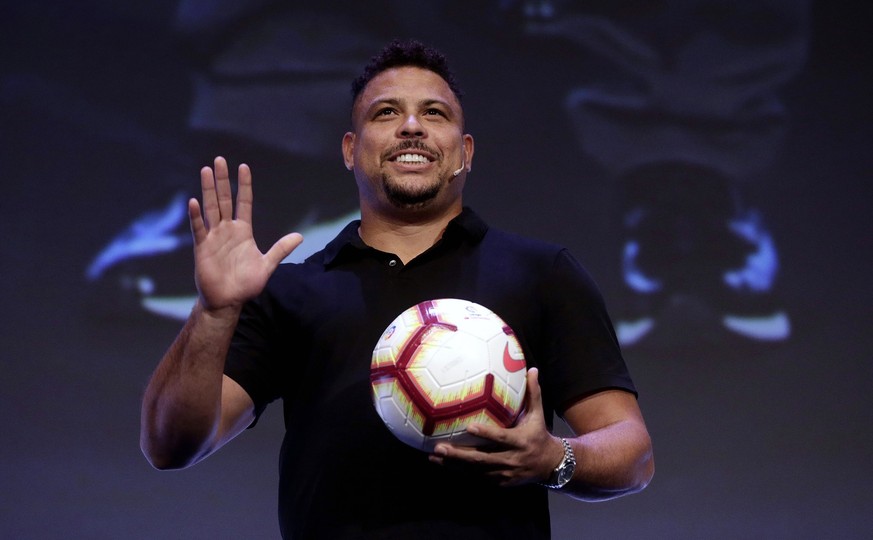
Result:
x=564 y=471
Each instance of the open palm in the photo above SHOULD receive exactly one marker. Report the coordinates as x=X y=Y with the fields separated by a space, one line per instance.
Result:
x=229 y=267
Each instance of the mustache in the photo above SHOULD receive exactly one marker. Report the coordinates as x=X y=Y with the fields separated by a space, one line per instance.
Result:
x=411 y=145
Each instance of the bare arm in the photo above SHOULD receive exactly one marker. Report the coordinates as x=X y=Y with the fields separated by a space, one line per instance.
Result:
x=612 y=447
x=190 y=408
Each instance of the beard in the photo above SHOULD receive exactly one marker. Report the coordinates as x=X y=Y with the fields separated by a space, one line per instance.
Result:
x=404 y=196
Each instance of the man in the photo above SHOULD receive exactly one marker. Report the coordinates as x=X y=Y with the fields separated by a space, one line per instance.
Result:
x=305 y=333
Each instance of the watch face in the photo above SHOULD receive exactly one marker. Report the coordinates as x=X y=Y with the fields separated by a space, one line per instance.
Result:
x=565 y=474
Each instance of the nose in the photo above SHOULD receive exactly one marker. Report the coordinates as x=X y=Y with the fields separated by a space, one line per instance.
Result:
x=411 y=127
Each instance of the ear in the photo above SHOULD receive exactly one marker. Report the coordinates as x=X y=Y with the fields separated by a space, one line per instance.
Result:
x=469 y=147
x=349 y=150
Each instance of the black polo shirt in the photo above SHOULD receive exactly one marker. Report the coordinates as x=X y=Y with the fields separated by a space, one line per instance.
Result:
x=308 y=339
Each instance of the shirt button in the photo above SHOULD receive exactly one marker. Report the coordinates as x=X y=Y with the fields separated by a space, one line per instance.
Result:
x=392 y=263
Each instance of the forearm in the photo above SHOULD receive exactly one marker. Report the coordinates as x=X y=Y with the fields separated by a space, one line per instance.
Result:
x=612 y=461
x=181 y=407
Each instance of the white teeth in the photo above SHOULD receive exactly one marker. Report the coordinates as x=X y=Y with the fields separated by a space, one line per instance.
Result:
x=412 y=158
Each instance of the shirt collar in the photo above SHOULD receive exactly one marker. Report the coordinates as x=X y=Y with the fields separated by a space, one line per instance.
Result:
x=348 y=243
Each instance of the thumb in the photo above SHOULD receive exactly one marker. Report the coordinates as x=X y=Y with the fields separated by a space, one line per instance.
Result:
x=533 y=397
x=283 y=247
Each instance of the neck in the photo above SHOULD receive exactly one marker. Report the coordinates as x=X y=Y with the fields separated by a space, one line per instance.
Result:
x=407 y=236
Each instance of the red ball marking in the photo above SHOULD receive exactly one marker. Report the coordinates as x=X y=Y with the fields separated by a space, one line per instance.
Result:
x=435 y=414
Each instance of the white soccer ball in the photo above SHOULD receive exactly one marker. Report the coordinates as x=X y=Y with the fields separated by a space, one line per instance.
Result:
x=443 y=364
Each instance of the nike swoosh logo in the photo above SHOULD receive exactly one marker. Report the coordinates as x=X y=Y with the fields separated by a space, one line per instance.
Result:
x=512 y=364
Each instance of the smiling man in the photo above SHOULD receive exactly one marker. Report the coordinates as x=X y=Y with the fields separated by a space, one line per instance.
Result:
x=304 y=333
x=409 y=135
x=409 y=153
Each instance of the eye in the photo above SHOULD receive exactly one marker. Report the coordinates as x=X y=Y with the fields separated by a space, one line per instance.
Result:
x=433 y=112
x=385 y=111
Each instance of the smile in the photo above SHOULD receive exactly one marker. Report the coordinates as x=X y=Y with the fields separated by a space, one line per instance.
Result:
x=411 y=158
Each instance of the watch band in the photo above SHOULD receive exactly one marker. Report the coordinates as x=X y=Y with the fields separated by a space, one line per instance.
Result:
x=564 y=471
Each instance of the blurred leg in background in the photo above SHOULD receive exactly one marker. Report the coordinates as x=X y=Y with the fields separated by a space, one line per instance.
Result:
x=679 y=102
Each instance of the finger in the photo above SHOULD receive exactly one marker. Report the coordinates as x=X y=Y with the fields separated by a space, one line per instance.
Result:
x=471 y=459
x=534 y=395
x=469 y=454
x=222 y=189
x=458 y=465
x=244 y=194
x=198 y=228
x=210 y=201
x=491 y=433
x=282 y=248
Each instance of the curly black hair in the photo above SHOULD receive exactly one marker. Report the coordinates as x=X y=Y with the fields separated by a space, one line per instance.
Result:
x=401 y=53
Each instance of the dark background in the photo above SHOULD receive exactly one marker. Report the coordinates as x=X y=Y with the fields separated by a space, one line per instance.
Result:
x=752 y=439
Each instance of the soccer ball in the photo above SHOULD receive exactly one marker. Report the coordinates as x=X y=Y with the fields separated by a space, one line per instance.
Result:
x=443 y=364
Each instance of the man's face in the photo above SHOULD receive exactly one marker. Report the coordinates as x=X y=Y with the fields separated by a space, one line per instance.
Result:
x=408 y=141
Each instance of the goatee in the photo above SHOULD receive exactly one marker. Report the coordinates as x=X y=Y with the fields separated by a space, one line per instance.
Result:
x=405 y=197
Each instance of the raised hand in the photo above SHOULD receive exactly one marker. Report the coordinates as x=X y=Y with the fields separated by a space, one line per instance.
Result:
x=229 y=267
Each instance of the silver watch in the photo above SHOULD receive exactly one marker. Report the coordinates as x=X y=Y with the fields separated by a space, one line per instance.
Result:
x=564 y=471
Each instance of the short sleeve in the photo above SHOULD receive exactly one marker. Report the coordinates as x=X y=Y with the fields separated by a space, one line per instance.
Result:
x=252 y=358
x=583 y=355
